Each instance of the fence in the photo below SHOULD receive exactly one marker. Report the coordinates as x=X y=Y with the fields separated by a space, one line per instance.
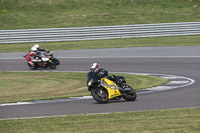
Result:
x=99 y=32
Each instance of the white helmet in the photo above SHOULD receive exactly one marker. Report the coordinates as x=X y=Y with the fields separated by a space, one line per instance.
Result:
x=36 y=45
x=93 y=67
x=33 y=49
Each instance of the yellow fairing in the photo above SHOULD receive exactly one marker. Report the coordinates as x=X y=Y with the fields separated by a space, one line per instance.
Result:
x=112 y=88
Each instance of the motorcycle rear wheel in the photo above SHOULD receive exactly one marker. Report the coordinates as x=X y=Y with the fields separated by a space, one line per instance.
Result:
x=52 y=65
x=130 y=96
x=100 y=95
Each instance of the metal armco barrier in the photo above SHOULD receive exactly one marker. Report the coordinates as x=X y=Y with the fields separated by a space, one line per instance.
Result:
x=99 y=32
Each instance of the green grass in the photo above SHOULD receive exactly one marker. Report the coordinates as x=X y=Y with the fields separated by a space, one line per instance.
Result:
x=110 y=43
x=163 y=121
x=25 y=86
x=31 y=14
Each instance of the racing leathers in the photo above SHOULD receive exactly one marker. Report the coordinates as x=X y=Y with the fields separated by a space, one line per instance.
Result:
x=30 y=56
x=100 y=73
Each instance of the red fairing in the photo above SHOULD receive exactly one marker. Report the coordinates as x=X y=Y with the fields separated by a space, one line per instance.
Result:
x=28 y=56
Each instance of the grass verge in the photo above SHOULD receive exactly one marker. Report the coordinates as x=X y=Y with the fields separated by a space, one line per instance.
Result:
x=31 y=14
x=165 y=121
x=26 y=86
x=110 y=43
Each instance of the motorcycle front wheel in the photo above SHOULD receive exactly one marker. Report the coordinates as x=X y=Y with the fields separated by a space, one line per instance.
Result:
x=130 y=95
x=100 y=95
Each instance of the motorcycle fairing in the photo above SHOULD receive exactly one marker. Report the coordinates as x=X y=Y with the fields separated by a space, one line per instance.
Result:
x=111 y=87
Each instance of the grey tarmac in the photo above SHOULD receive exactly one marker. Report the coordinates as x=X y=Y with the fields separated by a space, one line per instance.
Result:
x=179 y=64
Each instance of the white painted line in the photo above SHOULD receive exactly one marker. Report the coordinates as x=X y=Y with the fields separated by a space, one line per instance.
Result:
x=48 y=101
x=92 y=57
x=104 y=57
x=179 y=82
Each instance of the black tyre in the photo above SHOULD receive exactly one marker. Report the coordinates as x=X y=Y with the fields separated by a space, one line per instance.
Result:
x=100 y=95
x=52 y=65
x=56 y=61
x=33 y=68
x=130 y=95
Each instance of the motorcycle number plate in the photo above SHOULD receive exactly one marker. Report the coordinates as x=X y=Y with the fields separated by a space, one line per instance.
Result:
x=45 y=59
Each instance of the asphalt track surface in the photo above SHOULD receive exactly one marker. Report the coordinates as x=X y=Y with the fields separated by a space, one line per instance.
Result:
x=180 y=61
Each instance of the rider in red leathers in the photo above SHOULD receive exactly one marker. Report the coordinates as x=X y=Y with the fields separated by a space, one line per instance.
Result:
x=31 y=55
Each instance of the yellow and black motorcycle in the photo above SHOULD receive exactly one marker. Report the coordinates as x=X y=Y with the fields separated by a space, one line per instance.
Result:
x=104 y=88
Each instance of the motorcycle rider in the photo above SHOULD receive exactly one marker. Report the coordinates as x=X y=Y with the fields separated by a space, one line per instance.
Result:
x=31 y=55
x=94 y=73
x=38 y=47
x=99 y=73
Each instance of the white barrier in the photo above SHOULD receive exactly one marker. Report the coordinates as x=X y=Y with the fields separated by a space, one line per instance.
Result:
x=99 y=32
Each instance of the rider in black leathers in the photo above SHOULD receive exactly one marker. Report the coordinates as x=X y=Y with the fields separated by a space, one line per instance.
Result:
x=97 y=74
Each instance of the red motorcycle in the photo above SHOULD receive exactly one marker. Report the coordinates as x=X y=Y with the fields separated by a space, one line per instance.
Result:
x=42 y=60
